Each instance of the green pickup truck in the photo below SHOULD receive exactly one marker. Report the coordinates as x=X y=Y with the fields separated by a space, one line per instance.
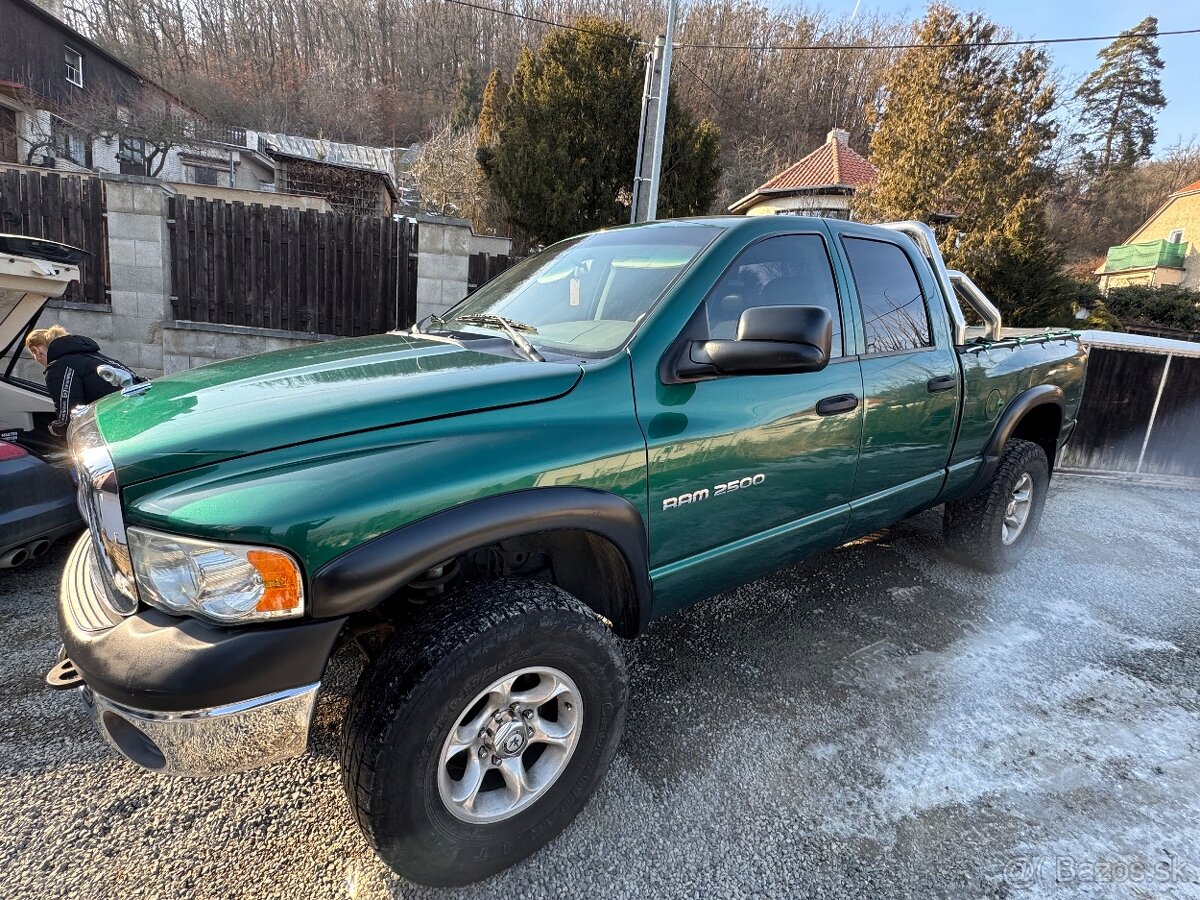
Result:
x=486 y=504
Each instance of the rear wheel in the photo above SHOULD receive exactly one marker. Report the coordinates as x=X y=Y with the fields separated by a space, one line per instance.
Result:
x=992 y=531
x=477 y=736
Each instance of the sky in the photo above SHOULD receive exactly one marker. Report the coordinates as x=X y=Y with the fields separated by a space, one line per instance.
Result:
x=1072 y=18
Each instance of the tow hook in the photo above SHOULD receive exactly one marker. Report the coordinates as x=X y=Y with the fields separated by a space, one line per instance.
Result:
x=64 y=676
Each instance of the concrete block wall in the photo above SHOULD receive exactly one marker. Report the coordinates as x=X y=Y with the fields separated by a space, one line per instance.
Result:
x=139 y=328
x=444 y=254
x=492 y=245
x=130 y=328
x=186 y=345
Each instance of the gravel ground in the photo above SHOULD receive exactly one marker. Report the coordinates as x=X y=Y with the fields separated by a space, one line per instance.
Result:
x=877 y=723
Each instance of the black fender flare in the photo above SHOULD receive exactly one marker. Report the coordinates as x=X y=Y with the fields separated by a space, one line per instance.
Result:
x=1018 y=409
x=362 y=578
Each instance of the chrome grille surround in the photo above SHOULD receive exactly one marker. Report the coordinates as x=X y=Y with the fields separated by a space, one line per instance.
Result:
x=82 y=596
x=99 y=499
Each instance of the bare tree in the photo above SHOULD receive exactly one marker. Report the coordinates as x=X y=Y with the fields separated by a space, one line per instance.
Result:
x=451 y=180
x=386 y=73
x=37 y=137
x=148 y=125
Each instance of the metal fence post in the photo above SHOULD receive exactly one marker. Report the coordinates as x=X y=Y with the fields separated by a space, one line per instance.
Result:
x=1153 y=414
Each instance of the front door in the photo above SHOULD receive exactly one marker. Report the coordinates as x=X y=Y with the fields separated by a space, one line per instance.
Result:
x=910 y=383
x=744 y=473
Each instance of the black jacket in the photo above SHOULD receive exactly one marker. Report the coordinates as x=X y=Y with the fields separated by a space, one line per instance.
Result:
x=71 y=363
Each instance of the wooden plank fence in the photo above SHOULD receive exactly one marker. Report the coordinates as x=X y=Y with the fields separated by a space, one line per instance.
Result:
x=291 y=269
x=483 y=267
x=66 y=208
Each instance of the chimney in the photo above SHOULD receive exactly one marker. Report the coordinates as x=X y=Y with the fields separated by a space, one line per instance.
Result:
x=54 y=7
x=838 y=135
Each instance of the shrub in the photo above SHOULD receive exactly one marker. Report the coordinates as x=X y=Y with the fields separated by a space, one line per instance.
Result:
x=1101 y=319
x=1169 y=306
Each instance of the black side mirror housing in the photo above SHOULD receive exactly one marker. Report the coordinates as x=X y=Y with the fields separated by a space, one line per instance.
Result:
x=771 y=340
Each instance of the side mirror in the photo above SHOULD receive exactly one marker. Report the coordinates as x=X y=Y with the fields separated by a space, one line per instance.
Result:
x=771 y=340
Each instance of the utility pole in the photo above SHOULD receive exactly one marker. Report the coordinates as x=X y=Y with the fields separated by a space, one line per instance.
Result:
x=637 y=206
x=648 y=174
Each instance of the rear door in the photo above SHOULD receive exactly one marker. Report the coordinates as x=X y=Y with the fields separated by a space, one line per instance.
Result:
x=744 y=473
x=910 y=379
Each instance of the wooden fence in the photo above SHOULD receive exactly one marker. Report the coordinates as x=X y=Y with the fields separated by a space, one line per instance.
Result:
x=483 y=267
x=69 y=209
x=291 y=269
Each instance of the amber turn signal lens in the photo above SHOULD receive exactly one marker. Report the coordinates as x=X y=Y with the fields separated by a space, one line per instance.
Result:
x=281 y=581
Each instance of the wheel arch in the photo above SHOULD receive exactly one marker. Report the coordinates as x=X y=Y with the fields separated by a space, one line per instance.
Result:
x=1036 y=415
x=599 y=538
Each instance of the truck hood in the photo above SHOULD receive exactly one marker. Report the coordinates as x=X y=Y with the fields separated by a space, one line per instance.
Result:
x=256 y=403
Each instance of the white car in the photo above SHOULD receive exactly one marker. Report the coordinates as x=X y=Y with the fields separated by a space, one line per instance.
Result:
x=37 y=495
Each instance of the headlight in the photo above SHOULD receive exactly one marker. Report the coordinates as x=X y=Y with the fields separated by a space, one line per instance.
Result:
x=229 y=583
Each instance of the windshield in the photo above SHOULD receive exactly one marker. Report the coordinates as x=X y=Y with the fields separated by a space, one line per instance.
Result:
x=585 y=295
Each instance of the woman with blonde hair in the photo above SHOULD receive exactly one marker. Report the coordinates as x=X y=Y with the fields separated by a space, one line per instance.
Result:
x=70 y=361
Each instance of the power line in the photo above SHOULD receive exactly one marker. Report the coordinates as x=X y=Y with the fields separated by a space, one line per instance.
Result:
x=712 y=90
x=964 y=44
x=550 y=22
x=1032 y=42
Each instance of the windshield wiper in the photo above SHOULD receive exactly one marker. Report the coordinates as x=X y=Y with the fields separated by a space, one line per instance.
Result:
x=434 y=319
x=513 y=327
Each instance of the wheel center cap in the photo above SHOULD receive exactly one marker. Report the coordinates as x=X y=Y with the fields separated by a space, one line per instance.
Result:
x=509 y=739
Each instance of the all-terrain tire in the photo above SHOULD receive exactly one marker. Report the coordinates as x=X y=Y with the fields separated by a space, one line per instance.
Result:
x=976 y=530
x=426 y=678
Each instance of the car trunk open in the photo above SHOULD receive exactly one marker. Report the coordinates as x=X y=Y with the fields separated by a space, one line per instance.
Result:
x=32 y=271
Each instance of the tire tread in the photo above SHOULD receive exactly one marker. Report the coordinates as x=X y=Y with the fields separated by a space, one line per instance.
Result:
x=414 y=656
x=971 y=527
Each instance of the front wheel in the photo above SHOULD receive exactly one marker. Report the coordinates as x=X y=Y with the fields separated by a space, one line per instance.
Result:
x=992 y=531
x=480 y=734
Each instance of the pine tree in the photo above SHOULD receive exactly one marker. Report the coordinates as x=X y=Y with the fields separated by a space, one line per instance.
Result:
x=962 y=136
x=470 y=95
x=491 y=111
x=564 y=157
x=1120 y=101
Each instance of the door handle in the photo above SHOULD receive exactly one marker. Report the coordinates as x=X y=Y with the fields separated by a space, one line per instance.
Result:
x=842 y=403
x=942 y=383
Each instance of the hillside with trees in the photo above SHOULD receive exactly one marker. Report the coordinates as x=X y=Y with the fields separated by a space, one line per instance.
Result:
x=393 y=74
x=1030 y=178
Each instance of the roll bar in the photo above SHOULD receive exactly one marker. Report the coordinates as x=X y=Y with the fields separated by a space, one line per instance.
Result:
x=969 y=291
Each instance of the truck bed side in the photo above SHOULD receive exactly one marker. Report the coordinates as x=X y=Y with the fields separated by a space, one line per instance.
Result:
x=995 y=373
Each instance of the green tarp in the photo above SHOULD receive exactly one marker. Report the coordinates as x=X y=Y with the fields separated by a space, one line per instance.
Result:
x=1147 y=255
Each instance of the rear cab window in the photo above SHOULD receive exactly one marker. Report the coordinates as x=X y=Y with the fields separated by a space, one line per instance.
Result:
x=894 y=308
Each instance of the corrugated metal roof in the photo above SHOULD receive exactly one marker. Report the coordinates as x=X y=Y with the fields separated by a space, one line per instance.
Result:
x=1142 y=343
x=351 y=156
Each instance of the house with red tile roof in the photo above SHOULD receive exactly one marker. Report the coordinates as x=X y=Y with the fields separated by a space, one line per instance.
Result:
x=822 y=184
x=1164 y=250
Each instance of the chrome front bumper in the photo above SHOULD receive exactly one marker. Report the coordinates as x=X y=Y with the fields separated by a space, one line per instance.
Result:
x=205 y=742
x=194 y=676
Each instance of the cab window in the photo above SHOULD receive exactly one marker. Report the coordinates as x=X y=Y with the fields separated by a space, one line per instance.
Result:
x=789 y=270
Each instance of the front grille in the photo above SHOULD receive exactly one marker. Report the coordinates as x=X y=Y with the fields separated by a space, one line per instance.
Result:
x=100 y=505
